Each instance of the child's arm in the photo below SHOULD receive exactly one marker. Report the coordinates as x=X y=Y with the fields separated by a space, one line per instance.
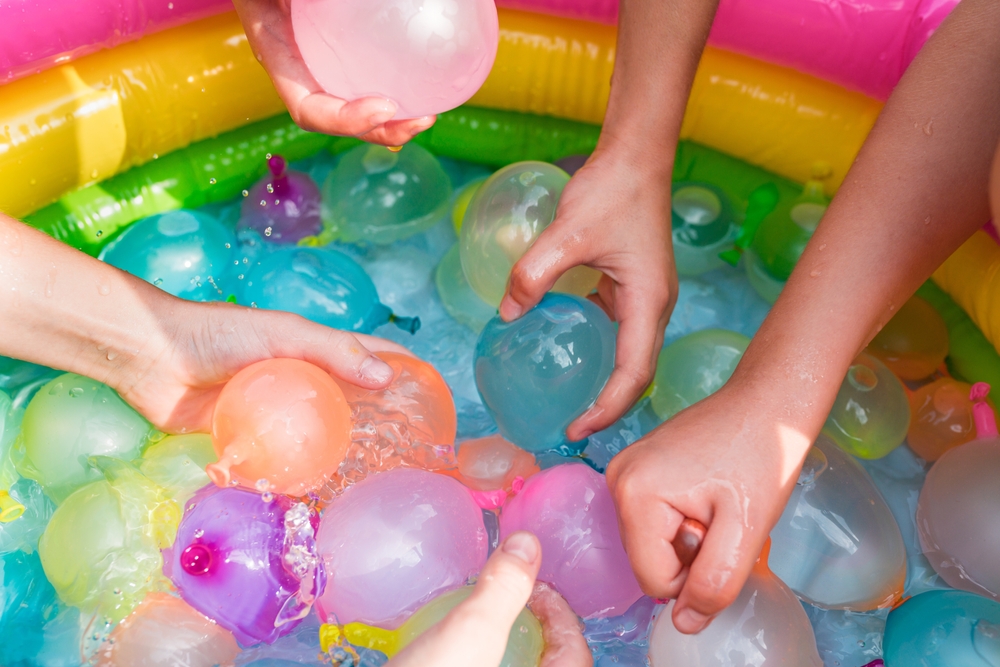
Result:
x=268 y=24
x=615 y=213
x=167 y=357
x=916 y=192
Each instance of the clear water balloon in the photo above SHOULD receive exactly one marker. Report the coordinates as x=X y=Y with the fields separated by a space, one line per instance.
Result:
x=695 y=367
x=702 y=225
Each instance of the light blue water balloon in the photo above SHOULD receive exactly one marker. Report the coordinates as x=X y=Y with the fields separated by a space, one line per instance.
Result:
x=943 y=628
x=538 y=373
x=27 y=601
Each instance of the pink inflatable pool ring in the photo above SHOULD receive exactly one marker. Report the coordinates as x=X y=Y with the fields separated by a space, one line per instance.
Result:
x=37 y=34
x=864 y=45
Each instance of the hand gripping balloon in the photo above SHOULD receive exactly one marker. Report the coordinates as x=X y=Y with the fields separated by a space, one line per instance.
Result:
x=248 y=561
x=524 y=645
x=702 y=224
x=695 y=367
x=837 y=545
x=570 y=510
x=185 y=253
x=281 y=426
x=507 y=213
x=766 y=625
x=942 y=418
x=427 y=56
x=538 y=373
x=943 y=629
x=323 y=285
x=283 y=207
x=914 y=343
x=395 y=541
x=164 y=631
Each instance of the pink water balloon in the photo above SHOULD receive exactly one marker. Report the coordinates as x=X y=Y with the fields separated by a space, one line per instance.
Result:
x=571 y=511
x=427 y=56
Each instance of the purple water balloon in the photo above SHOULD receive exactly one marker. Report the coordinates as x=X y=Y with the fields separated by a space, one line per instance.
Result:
x=395 y=541
x=284 y=206
x=571 y=511
x=227 y=562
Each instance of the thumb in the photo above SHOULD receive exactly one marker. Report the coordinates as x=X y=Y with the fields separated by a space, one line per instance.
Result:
x=506 y=581
x=537 y=271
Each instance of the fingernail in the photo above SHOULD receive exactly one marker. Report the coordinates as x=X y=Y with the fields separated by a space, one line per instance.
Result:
x=691 y=620
x=510 y=310
x=523 y=546
x=375 y=370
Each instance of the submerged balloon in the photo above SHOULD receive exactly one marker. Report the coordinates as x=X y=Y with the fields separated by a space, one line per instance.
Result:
x=320 y=284
x=695 y=367
x=540 y=372
x=570 y=510
x=766 y=625
x=508 y=212
x=185 y=253
x=238 y=559
x=164 y=631
x=27 y=601
x=784 y=233
x=524 y=644
x=702 y=224
x=942 y=418
x=943 y=629
x=957 y=517
x=69 y=419
x=458 y=298
x=283 y=207
x=462 y=200
x=395 y=541
x=837 y=545
x=377 y=196
x=280 y=425
x=914 y=343
x=101 y=549
x=177 y=463
x=871 y=415
x=34 y=509
x=427 y=56
x=492 y=463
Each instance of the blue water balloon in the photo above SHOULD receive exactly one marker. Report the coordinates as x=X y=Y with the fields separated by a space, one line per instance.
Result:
x=538 y=373
x=323 y=285
x=943 y=628
x=27 y=601
x=185 y=253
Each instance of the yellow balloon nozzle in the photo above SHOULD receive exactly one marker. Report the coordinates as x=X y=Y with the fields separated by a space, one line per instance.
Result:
x=10 y=509
x=359 y=634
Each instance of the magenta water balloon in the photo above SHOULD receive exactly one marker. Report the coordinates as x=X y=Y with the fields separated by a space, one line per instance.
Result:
x=569 y=508
x=284 y=206
x=395 y=541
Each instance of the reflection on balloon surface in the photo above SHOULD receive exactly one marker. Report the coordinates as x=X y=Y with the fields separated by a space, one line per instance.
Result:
x=942 y=418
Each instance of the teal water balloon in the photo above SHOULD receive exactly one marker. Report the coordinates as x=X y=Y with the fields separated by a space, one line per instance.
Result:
x=943 y=628
x=22 y=533
x=702 y=224
x=695 y=367
x=458 y=298
x=378 y=196
x=27 y=602
x=320 y=284
x=538 y=373
x=185 y=253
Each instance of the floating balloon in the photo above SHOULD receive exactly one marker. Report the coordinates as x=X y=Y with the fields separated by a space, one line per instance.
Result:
x=703 y=225
x=766 y=625
x=378 y=196
x=283 y=207
x=540 y=372
x=695 y=367
x=957 y=517
x=280 y=425
x=27 y=601
x=462 y=200
x=101 y=550
x=33 y=511
x=508 y=212
x=458 y=298
x=427 y=56
x=914 y=343
x=871 y=415
x=837 y=545
x=322 y=285
x=784 y=233
x=164 y=631
x=569 y=508
x=524 y=644
x=69 y=419
x=395 y=541
x=177 y=463
x=943 y=629
x=185 y=253
x=492 y=463
x=246 y=562
x=942 y=418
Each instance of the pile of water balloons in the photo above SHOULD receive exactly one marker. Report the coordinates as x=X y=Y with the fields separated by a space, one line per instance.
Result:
x=321 y=522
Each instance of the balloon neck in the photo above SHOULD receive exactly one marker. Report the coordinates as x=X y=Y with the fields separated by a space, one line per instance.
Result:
x=359 y=634
x=408 y=324
x=280 y=184
x=10 y=509
x=876 y=663
x=196 y=560
x=762 y=202
x=982 y=414
x=489 y=500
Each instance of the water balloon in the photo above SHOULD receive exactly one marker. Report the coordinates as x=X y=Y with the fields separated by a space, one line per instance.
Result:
x=695 y=367
x=283 y=207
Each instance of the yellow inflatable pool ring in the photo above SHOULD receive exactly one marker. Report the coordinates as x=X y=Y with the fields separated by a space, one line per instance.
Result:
x=771 y=116
x=90 y=119
x=971 y=276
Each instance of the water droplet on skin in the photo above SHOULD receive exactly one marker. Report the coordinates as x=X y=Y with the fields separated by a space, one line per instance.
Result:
x=929 y=128
x=112 y=355
x=927 y=220
x=103 y=290
x=814 y=273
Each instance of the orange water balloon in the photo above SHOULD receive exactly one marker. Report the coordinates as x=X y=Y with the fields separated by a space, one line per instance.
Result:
x=281 y=426
x=914 y=343
x=492 y=463
x=942 y=418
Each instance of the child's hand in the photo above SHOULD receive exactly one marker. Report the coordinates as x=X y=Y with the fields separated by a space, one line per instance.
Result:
x=613 y=216
x=268 y=25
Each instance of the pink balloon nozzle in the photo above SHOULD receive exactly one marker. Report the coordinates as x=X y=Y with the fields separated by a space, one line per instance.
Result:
x=982 y=413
